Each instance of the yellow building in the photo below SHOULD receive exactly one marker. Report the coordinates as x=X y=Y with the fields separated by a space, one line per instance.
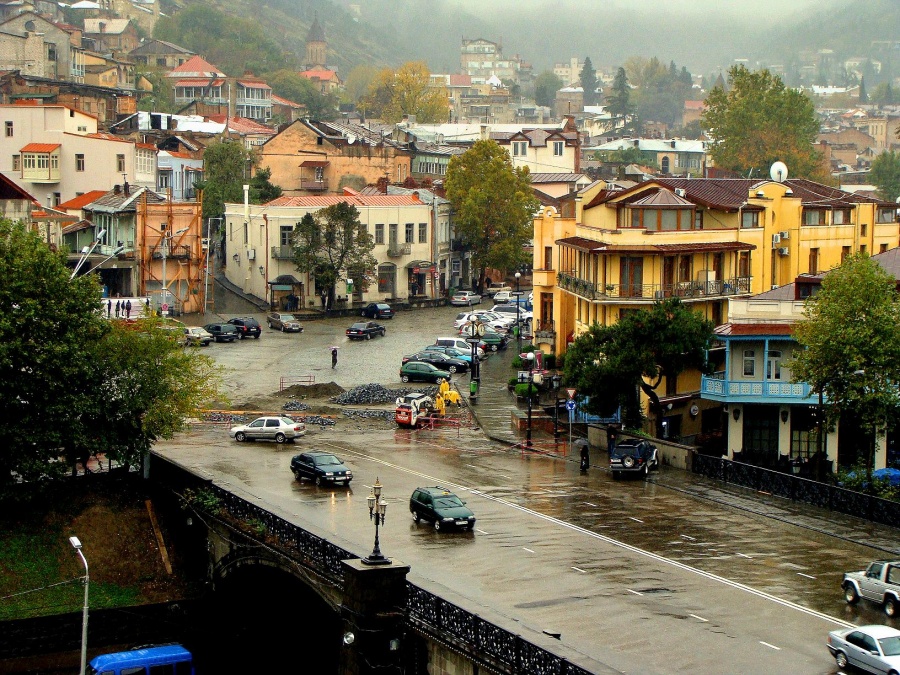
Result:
x=600 y=253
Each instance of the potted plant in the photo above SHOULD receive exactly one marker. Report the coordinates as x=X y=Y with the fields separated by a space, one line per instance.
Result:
x=511 y=384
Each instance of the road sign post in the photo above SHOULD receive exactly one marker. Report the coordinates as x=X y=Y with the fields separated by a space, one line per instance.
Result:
x=570 y=406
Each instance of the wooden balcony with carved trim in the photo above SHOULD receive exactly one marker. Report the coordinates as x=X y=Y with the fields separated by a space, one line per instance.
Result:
x=687 y=290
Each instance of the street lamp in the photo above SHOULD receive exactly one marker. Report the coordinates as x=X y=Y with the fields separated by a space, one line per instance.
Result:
x=76 y=544
x=164 y=306
x=529 y=357
x=115 y=252
x=518 y=325
x=377 y=508
x=86 y=251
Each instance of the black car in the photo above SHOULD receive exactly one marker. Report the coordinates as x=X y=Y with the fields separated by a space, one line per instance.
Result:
x=246 y=327
x=320 y=467
x=222 y=332
x=365 y=330
x=441 y=507
x=439 y=359
x=633 y=455
x=378 y=310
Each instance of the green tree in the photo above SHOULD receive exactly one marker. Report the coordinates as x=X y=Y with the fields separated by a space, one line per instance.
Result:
x=609 y=364
x=294 y=87
x=759 y=121
x=588 y=78
x=358 y=82
x=494 y=206
x=885 y=175
x=850 y=339
x=546 y=84
x=261 y=190
x=619 y=100
x=161 y=99
x=406 y=92
x=331 y=244
x=863 y=96
x=226 y=165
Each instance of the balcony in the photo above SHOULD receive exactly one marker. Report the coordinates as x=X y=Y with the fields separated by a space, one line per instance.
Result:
x=177 y=252
x=718 y=288
x=283 y=252
x=716 y=388
x=314 y=185
x=545 y=333
x=398 y=250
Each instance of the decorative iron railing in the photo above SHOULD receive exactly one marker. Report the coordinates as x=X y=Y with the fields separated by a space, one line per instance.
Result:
x=739 y=391
x=798 y=489
x=682 y=289
x=284 y=252
x=480 y=640
x=397 y=250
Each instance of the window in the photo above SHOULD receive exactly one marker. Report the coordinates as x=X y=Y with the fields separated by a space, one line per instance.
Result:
x=9 y=129
x=423 y=233
x=120 y=163
x=773 y=366
x=379 y=233
x=17 y=162
x=845 y=251
x=863 y=248
x=558 y=147
x=863 y=230
x=698 y=219
x=840 y=216
x=164 y=180
x=749 y=363
x=750 y=219
x=408 y=232
x=882 y=216
x=285 y=235
x=79 y=162
x=813 y=216
x=520 y=148
x=548 y=257
x=882 y=248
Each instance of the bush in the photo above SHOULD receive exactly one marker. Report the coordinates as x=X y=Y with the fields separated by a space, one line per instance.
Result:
x=513 y=380
x=550 y=361
x=522 y=389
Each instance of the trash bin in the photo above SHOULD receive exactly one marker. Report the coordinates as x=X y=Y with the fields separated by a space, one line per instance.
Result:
x=473 y=390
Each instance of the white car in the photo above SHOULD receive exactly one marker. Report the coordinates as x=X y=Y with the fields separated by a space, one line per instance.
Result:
x=466 y=298
x=498 y=323
x=874 y=649
x=510 y=310
x=278 y=429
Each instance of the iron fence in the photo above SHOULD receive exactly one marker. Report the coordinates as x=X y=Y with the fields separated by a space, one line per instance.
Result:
x=799 y=489
x=480 y=640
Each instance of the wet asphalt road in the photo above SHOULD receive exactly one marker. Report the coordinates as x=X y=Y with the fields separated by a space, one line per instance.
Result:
x=690 y=582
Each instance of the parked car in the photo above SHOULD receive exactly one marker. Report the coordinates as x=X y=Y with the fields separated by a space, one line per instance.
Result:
x=879 y=582
x=503 y=296
x=441 y=507
x=278 y=429
x=466 y=298
x=246 y=327
x=495 y=288
x=222 y=332
x=452 y=352
x=495 y=321
x=419 y=371
x=378 y=310
x=321 y=468
x=509 y=310
x=286 y=323
x=490 y=339
x=439 y=360
x=365 y=330
x=197 y=335
x=874 y=649
x=633 y=455
x=460 y=344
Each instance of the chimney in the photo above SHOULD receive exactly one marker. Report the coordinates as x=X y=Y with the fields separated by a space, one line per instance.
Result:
x=127 y=189
x=117 y=189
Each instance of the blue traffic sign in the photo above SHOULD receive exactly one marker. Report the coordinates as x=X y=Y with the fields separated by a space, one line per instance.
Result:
x=570 y=405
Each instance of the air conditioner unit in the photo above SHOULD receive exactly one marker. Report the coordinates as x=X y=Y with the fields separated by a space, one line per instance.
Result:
x=251 y=254
x=784 y=235
x=783 y=250
x=680 y=192
x=774 y=286
x=776 y=239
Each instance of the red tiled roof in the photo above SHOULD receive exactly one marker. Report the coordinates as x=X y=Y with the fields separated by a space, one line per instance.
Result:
x=460 y=80
x=40 y=147
x=195 y=64
x=256 y=84
x=81 y=200
x=145 y=146
x=733 y=329
x=356 y=200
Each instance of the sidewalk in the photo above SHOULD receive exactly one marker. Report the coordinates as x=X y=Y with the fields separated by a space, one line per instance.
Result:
x=494 y=412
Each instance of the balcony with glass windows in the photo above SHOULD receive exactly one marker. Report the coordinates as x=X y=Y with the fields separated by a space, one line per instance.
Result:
x=716 y=388
x=396 y=250
x=283 y=252
x=690 y=290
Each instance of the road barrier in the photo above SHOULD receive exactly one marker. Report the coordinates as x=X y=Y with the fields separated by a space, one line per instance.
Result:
x=285 y=382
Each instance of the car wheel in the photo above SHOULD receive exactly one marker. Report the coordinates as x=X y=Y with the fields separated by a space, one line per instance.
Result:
x=494 y=348
x=451 y=369
x=297 y=475
x=841 y=659
x=319 y=481
x=615 y=475
x=628 y=462
x=270 y=326
x=890 y=607
x=850 y=594
x=240 y=437
x=256 y=337
x=368 y=336
x=383 y=332
x=470 y=527
x=437 y=524
x=416 y=517
x=646 y=471
x=404 y=378
x=280 y=437
x=284 y=329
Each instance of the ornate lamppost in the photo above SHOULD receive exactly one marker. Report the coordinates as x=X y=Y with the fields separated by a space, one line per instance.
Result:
x=377 y=509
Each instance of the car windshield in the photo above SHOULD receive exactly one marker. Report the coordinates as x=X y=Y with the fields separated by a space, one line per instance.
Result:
x=288 y=421
x=383 y=306
x=359 y=326
x=890 y=645
x=448 y=502
x=287 y=317
x=326 y=460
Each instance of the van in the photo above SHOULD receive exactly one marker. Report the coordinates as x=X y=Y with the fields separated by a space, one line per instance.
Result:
x=460 y=344
x=165 y=660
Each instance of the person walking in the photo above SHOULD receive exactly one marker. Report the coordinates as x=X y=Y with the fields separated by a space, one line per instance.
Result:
x=128 y=309
x=109 y=309
x=118 y=307
x=334 y=351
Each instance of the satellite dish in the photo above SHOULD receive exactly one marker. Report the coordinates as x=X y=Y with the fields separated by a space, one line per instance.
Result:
x=779 y=172
x=351 y=139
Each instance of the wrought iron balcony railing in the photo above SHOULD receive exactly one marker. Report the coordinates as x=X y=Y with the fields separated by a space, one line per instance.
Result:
x=397 y=250
x=682 y=289
x=316 y=185
x=283 y=252
x=716 y=387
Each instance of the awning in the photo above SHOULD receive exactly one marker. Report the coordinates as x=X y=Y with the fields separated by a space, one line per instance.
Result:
x=315 y=163
x=288 y=280
x=422 y=264
x=77 y=227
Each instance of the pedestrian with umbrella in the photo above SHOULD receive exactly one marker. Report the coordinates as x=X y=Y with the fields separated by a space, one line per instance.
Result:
x=334 y=351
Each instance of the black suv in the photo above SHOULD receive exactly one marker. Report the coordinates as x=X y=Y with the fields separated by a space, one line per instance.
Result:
x=633 y=455
x=222 y=332
x=320 y=467
x=246 y=327
x=441 y=507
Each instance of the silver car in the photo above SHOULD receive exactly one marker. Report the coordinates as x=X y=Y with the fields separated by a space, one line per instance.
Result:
x=278 y=429
x=197 y=335
x=874 y=649
x=286 y=323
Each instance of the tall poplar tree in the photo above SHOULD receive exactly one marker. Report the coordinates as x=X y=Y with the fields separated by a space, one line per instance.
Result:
x=619 y=100
x=588 y=79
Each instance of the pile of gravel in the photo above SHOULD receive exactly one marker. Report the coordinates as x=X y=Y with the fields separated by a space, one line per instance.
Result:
x=369 y=394
x=387 y=415
x=295 y=406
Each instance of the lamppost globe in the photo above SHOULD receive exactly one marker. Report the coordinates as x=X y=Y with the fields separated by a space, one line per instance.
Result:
x=377 y=509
